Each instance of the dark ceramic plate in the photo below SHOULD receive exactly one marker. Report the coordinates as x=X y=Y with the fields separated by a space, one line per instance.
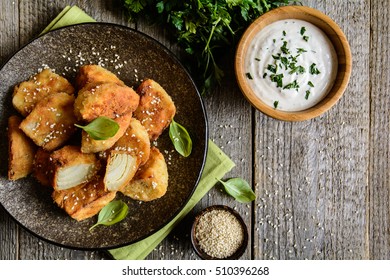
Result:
x=132 y=56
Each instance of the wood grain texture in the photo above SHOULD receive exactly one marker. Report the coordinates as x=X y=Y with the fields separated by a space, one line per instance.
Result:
x=9 y=24
x=312 y=175
x=379 y=180
x=322 y=185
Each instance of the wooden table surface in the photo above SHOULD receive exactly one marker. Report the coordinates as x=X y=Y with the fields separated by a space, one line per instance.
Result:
x=323 y=185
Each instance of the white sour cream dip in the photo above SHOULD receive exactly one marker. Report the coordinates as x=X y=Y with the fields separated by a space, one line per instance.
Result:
x=291 y=65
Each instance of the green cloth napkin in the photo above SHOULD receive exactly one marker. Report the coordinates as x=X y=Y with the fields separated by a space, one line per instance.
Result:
x=216 y=166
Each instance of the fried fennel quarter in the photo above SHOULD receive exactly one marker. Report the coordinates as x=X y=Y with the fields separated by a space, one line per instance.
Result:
x=151 y=180
x=135 y=141
x=71 y=167
x=109 y=99
x=28 y=93
x=128 y=153
x=89 y=145
x=156 y=108
x=120 y=169
x=95 y=74
x=84 y=201
x=21 y=150
x=42 y=170
x=51 y=123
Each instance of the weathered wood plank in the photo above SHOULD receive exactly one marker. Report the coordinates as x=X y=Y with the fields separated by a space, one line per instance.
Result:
x=9 y=26
x=379 y=181
x=312 y=176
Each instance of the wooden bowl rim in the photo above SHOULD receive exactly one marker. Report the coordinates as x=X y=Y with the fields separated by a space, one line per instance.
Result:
x=240 y=251
x=336 y=36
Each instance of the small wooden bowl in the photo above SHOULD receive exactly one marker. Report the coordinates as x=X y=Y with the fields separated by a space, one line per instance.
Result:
x=336 y=36
x=239 y=252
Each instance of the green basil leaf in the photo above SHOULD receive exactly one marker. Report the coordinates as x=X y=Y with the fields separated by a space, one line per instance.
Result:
x=239 y=189
x=101 y=128
x=180 y=138
x=112 y=213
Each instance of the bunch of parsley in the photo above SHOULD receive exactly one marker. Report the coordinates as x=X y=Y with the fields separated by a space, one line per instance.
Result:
x=203 y=28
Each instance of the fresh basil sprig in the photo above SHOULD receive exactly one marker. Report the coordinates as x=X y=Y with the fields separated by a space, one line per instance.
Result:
x=101 y=128
x=239 y=189
x=112 y=213
x=180 y=138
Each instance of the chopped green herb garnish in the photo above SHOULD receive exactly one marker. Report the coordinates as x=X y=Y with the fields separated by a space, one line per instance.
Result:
x=284 y=48
x=277 y=56
x=274 y=40
x=278 y=79
x=276 y=104
x=307 y=94
x=301 y=50
x=285 y=61
x=293 y=85
x=314 y=70
x=249 y=76
x=297 y=69
x=284 y=33
x=303 y=30
x=264 y=75
x=306 y=38
x=272 y=68
x=257 y=59
x=310 y=83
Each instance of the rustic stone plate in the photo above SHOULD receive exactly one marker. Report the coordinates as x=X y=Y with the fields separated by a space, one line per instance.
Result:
x=132 y=56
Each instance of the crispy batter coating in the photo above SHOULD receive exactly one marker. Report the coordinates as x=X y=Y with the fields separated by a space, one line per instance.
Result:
x=71 y=167
x=42 y=169
x=156 y=108
x=109 y=99
x=89 y=145
x=21 y=150
x=84 y=201
x=95 y=74
x=51 y=123
x=135 y=141
x=151 y=180
x=28 y=93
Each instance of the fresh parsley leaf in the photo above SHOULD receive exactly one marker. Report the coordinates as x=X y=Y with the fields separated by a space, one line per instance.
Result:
x=249 y=76
x=303 y=30
x=205 y=29
x=276 y=103
x=310 y=83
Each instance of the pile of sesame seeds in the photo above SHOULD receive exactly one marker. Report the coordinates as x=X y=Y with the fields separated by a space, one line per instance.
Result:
x=219 y=233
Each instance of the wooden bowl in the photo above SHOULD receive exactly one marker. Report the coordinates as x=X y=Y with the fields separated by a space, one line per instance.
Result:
x=335 y=35
x=195 y=243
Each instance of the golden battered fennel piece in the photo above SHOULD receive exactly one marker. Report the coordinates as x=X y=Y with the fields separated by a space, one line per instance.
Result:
x=151 y=180
x=84 y=201
x=42 y=170
x=71 y=167
x=21 y=150
x=27 y=94
x=89 y=145
x=128 y=153
x=51 y=123
x=156 y=108
x=95 y=74
x=109 y=99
